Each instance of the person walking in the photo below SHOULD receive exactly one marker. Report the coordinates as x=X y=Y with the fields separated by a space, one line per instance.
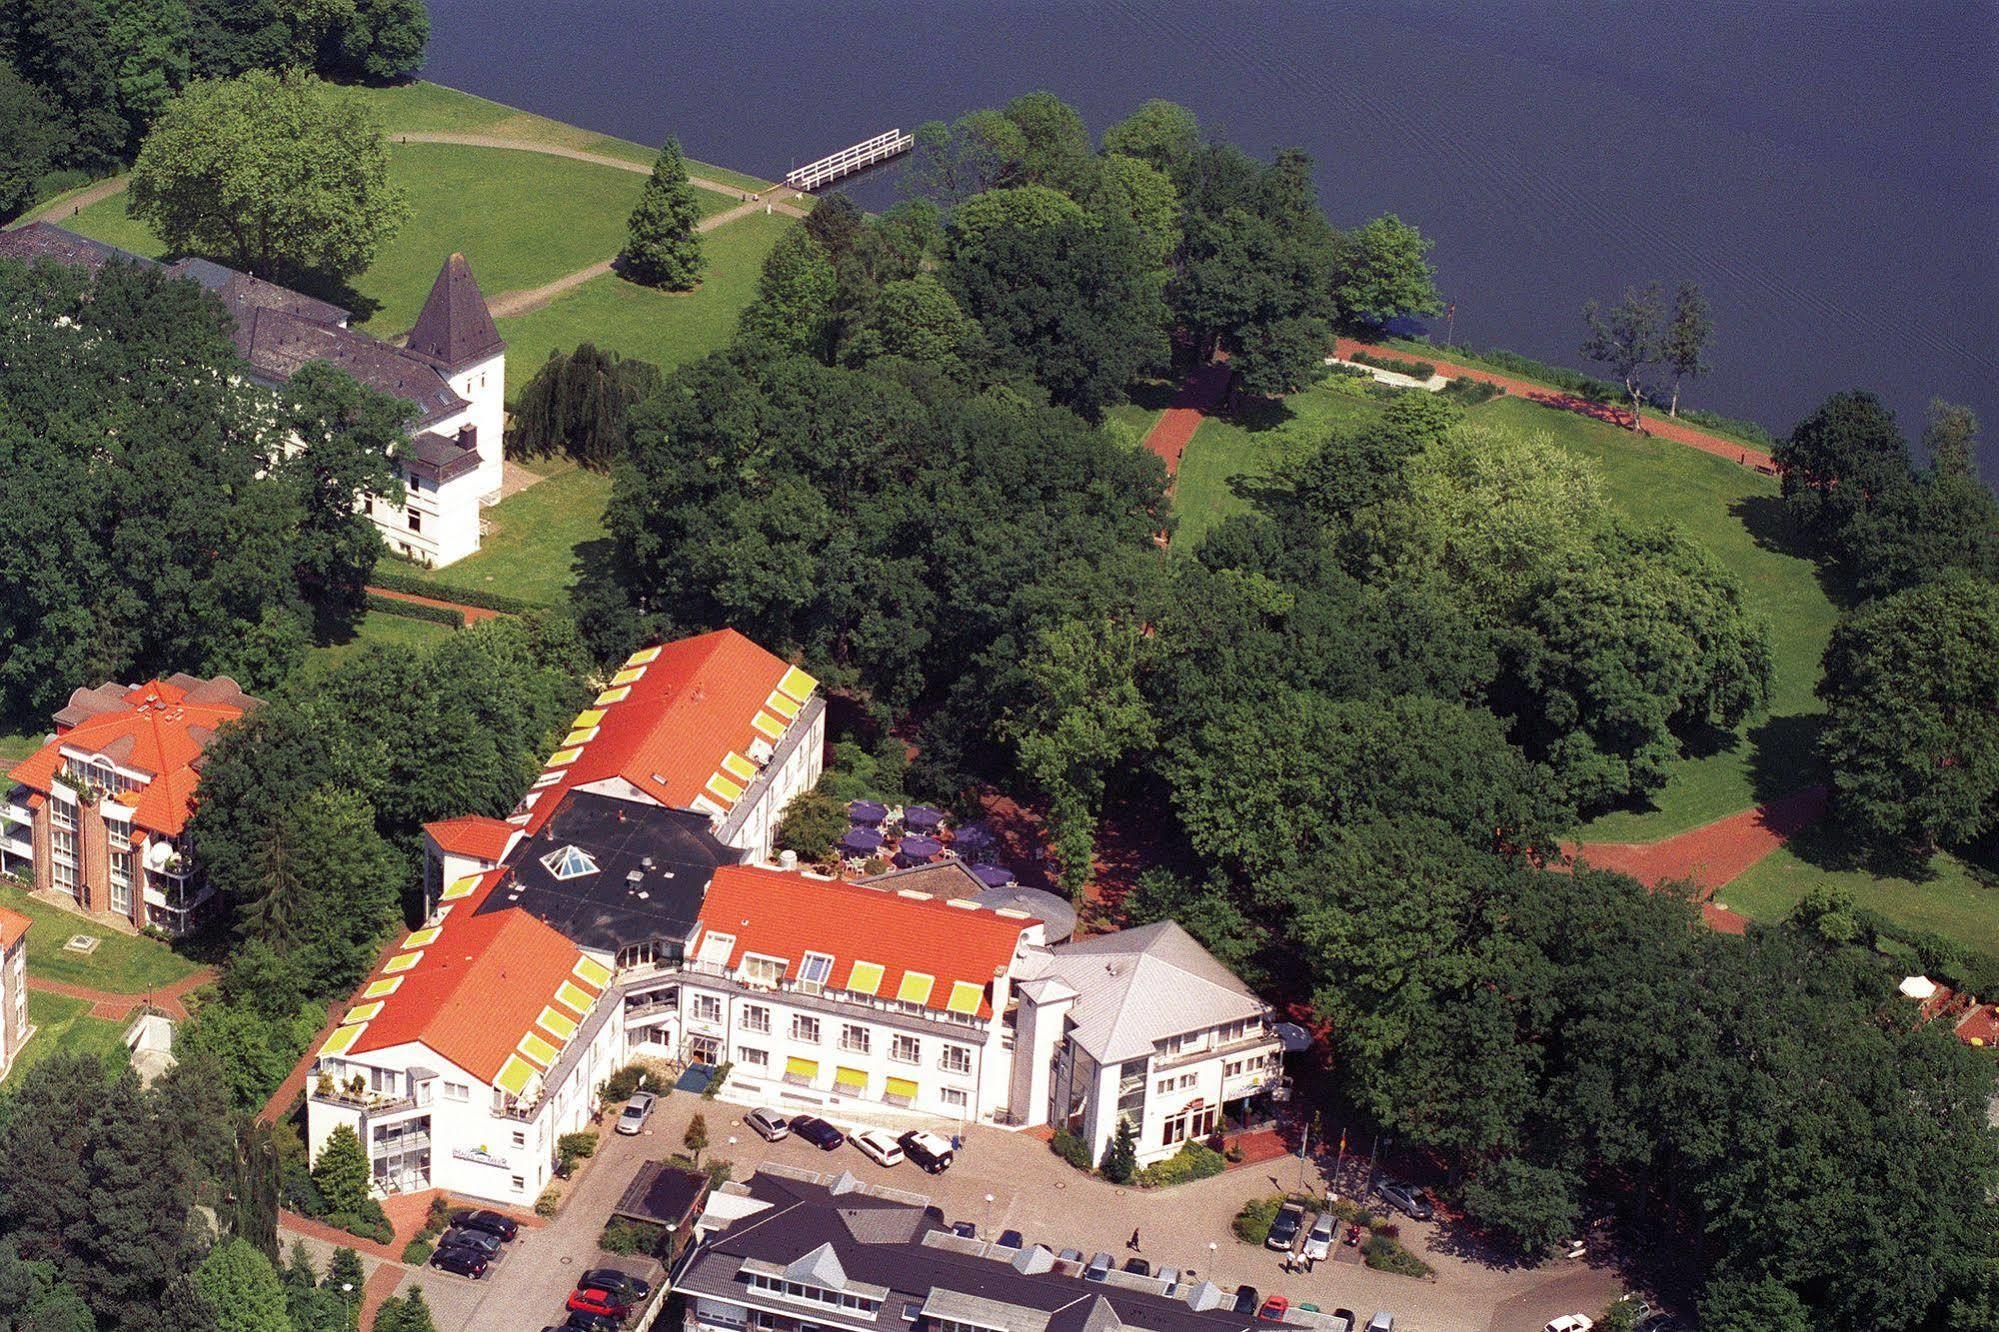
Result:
x=1132 y=1243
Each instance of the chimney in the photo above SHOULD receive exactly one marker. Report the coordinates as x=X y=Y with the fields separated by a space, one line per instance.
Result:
x=468 y=436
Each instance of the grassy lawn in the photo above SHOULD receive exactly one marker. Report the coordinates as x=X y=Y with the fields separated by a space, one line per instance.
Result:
x=666 y=328
x=375 y=629
x=538 y=540
x=1223 y=462
x=434 y=108
x=62 y=1023
x=20 y=737
x=521 y=218
x=1952 y=901
x=121 y=964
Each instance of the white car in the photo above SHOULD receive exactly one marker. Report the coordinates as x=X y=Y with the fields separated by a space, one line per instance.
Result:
x=1319 y=1240
x=633 y=1117
x=877 y=1146
x=1571 y=1323
x=768 y=1125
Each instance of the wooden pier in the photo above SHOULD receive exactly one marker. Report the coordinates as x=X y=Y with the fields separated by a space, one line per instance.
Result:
x=869 y=152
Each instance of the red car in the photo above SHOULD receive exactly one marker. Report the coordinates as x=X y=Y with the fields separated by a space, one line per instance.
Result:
x=597 y=1300
x=1273 y=1310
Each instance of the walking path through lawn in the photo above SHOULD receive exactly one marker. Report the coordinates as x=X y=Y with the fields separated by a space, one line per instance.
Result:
x=1197 y=397
x=777 y=195
x=1663 y=427
x=118 y=1007
x=1713 y=855
x=76 y=203
x=472 y=614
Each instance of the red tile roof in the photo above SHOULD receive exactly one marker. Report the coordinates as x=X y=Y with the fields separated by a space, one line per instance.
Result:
x=785 y=914
x=160 y=727
x=688 y=707
x=477 y=988
x=13 y=926
x=1979 y=1026
x=472 y=835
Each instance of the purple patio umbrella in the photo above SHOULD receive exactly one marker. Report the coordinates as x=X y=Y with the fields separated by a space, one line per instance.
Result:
x=973 y=837
x=992 y=876
x=920 y=848
x=861 y=841
x=922 y=816
x=869 y=812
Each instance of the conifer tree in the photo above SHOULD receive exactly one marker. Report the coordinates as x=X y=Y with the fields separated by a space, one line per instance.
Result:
x=341 y=1172
x=1120 y=1161
x=241 y=1289
x=662 y=248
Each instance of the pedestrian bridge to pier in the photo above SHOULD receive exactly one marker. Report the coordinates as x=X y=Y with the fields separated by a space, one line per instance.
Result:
x=867 y=153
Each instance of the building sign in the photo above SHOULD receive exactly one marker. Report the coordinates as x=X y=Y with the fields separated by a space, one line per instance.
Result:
x=479 y=1156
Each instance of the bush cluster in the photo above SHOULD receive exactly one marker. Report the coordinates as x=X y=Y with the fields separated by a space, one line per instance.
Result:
x=1470 y=392
x=620 y=1085
x=369 y=1222
x=417 y=1252
x=1071 y=1149
x=1192 y=1161
x=1414 y=369
x=1253 y=1222
x=1387 y=1255
x=626 y=1237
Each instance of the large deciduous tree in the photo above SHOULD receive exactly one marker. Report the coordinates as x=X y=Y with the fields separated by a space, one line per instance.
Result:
x=577 y=405
x=377 y=40
x=241 y=1290
x=1685 y=342
x=662 y=245
x=1837 y=463
x=1385 y=273
x=29 y=141
x=278 y=175
x=1629 y=341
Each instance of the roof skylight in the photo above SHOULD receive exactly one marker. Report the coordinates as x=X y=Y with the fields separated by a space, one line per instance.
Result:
x=569 y=863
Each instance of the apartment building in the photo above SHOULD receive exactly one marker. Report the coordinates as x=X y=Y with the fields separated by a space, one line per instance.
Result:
x=99 y=813
x=14 y=1029
x=451 y=368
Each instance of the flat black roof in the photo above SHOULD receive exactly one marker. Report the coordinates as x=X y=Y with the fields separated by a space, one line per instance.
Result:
x=662 y=1194
x=652 y=870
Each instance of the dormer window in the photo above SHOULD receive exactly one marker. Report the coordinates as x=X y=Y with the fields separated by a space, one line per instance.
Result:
x=569 y=863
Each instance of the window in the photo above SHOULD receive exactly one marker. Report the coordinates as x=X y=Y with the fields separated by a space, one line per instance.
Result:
x=1232 y=1069
x=641 y=955
x=955 y=1059
x=805 y=1028
x=953 y=1096
x=1165 y=1085
x=416 y=525
x=1187 y=1080
x=568 y=863
x=1189 y=1123
x=716 y=948
x=753 y=1058
x=62 y=814
x=520 y=1185
x=762 y=970
x=755 y=1017
x=854 y=1037
x=520 y=1138
x=121 y=897
x=708 y=1007
x=415 y=484
x=812 y=973
x=457 y=1091
x=905 y=1049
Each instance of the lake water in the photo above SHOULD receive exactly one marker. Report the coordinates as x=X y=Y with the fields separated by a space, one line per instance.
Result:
x=1828 y=173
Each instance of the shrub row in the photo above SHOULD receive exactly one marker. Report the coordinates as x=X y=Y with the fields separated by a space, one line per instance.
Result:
x=1253 y=1222
x=1470 y=392
x=625 y=1237
x=1192 y=1161
x=369 y=1223
x=410 y=610
x=390 y=574
x=417 y=1252
x=1387 y=1255
x=1414 y=369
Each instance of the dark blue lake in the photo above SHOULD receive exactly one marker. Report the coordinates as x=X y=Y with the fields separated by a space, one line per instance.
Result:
x=1829 y=173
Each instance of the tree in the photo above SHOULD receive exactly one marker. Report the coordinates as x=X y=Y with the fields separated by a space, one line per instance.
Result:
x=242 y=1290
x=30 y=139
x=980 y=151
x=812 y=823
x=35 y=1298
x=1738 y=1304
x=408 y=1314
x=135 y=1231
x=1687 y=335
x=695 y=1139
x=345 y=1276
x=63 y=49
x=1055 y=148
x=917 y=319
x=1120 y=1161
x=1385 y=273
x=1911 y=686
x=1534 y=1204
x=1141 y=194
x=341 y=1172
x=379 y=40
x=149 y=41
x=1160 y=133
x=662 y=245
x=791 y=311
x=1629 y=341
x=1837 y=463
x=349 y=436
x=577 y=405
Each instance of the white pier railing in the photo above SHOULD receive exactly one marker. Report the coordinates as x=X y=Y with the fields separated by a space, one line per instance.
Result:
x=890 y=143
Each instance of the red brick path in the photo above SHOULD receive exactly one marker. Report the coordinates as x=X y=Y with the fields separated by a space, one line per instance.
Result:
x=1176 y=425
x=381 y=1284
x=473 y=614
x=118 y=1007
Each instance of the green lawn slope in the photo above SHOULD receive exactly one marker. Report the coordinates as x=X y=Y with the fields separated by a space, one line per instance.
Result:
x=120 y=964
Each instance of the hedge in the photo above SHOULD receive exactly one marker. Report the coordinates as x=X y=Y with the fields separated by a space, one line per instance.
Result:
x=1192 y=1161
x=1072 y=1149
x=372 y=1224
x=394 y=579
x=1386 y=1255
x=416 y=1253
x=624 y=1237
x=1253 y=1222
x=1470 y=392
x=411 y=610
x=1413 y=369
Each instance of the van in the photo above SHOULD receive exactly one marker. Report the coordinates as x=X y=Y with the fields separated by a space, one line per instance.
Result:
x=878 y=1147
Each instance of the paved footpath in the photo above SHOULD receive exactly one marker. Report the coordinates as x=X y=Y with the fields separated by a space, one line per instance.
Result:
x=472 y=614
x=117 y=1007
x=1199 y=394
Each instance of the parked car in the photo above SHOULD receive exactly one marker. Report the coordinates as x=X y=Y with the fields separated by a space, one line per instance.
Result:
x=768 y=1124
x=1353 y=1319
x=610 y=1278
x=1284 y=1229
x=1100 y=1266
x=1383 y=1321
x=481 y=1218
x=1274 y=1309
x=1570 y=1323
x=1071 y=1255
x=1012 y=1239
x=1406 y=1199
x=1138 y=1267
x=598 y=1300
x=1246 y=1299
x=481 y=1241
x=581 y=1320
x=817 y=1132
x=878 y=1147
x=927 y=1150
x=633 y=1117
x=1319 y=1239
x=1171 y=1277
x=465 y=1262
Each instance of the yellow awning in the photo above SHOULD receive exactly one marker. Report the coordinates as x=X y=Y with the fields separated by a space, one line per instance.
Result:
x=402 y=962
x=965 y=997
x=797 y=684
x=515 y=1075
x=459 y=888
x=552 y=1021
x=362 y=1012
x=616 y=695
x=801 y=1068
x=422 y=938
x=537 y=1049
x=382 y=989
x=768 y=725
x=850 y=1078
x=723 y=789
x=643 y=657
x=865 y=978
x=592 y=972
x=581 y=736
x=575 y=996
x=342 y=1040
x=902 y=1087
x=786 y=708
x=739 y=767
x=562 y=758
x=915 y=987
x=586 y=719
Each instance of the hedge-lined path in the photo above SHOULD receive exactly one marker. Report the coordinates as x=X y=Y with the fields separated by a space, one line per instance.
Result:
x=472 y=614
x=1713 y=855
x=118 y=1007
x=1661 y=427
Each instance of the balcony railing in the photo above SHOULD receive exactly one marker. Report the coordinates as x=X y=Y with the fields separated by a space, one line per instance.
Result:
x=833 y=1000
x=1193 y=1056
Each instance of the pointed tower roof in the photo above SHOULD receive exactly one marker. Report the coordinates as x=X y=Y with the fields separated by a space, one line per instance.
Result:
x=455 y=328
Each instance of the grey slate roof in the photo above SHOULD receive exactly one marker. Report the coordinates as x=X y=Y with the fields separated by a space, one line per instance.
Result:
x=455 y=328
x=241 y=294
x=45 y=240
x=443 y=455
x=1138 y=987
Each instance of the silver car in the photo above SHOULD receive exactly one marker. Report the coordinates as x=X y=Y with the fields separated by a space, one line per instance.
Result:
x=768 y=1125
x=1319 y=1240
x=633 y=1117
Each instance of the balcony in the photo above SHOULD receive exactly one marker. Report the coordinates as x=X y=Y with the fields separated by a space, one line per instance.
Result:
x=1254 y=1041
x=812 y=994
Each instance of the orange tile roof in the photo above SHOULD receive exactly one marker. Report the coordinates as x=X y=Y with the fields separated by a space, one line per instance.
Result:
x=476 y=989
x=778 y=913
x=160 y=727
x=13 y=926
x=472 y=835
x=673 y=715
x=1979 y=1026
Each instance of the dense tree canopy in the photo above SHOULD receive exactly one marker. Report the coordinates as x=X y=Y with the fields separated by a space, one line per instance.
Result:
x=576 y=405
